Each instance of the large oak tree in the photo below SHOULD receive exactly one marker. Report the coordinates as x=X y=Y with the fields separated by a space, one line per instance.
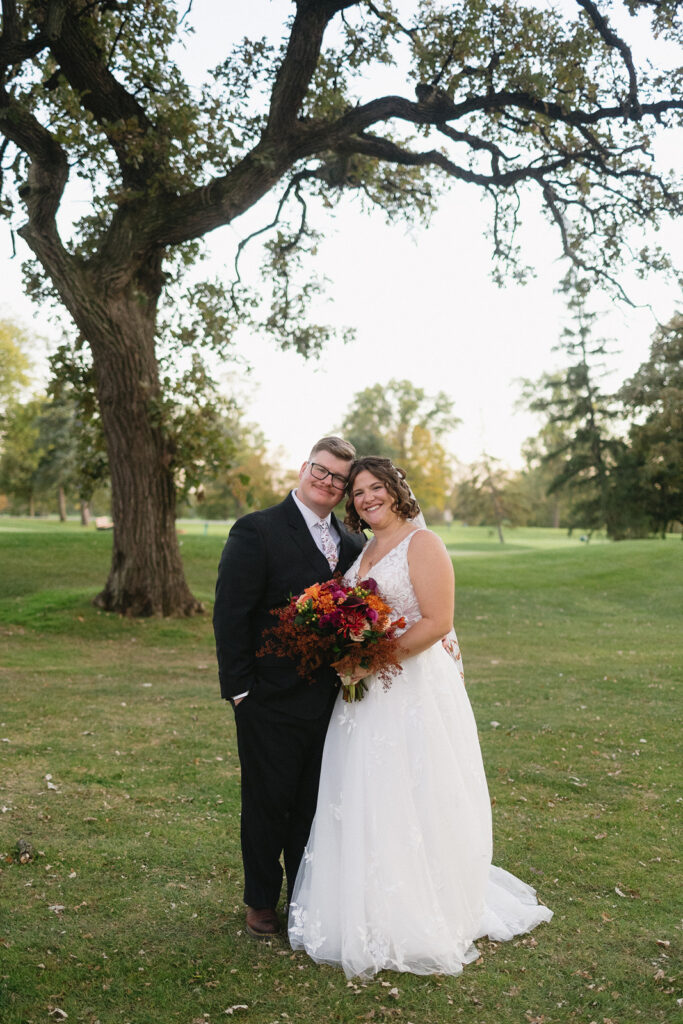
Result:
x=506 y=97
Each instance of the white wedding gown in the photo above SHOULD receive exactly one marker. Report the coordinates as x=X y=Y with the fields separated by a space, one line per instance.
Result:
x=397 y=872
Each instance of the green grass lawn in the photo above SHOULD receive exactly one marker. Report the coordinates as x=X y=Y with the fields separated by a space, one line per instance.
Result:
x=118 y=764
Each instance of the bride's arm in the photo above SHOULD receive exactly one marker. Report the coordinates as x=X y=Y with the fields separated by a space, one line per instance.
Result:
x=431 y=573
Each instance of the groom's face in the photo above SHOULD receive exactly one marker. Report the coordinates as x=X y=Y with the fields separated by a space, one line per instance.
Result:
x=322 y=495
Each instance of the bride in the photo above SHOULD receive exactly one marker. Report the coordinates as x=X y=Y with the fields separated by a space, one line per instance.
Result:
x=397 y=872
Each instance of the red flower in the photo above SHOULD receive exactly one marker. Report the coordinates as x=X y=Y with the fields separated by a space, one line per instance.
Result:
x=334 y=624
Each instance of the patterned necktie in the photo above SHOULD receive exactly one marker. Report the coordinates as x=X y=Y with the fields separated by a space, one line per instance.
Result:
x=328 y=545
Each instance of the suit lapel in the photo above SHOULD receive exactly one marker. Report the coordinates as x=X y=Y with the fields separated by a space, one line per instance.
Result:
x=301 y=536
x=347 y=552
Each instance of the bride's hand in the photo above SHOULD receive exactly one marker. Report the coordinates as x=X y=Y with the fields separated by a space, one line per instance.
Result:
x=349 y=678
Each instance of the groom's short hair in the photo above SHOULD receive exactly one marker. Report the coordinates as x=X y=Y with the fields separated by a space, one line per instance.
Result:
x=336 y=446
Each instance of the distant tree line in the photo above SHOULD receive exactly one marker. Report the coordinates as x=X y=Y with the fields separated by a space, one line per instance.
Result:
x=53 y=456
x=601 y=461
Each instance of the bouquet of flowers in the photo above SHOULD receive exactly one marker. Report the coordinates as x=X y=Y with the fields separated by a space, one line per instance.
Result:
x=347 y=627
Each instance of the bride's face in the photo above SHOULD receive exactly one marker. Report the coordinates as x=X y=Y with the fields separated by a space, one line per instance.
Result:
x=372 y=501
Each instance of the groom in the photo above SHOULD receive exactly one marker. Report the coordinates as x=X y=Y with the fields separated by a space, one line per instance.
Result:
x=281 y=720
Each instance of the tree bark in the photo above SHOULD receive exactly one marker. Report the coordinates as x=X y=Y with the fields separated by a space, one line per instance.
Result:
x=146 y=575
x=61 y=504
x=85 y=513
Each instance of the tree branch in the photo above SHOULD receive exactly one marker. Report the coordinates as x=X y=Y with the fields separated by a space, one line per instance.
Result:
x=118 y=113
x=300 y=61
x=410 y=32
x=551 y=201
x=293 y=186
x=13 y=49
x=49 y=167
x=42 y=193
x=474 y=142
x=632 y=105
x=387 y=107
x=386 y=149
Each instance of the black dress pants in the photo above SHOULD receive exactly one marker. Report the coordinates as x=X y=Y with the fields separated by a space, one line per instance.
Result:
x=280 y=759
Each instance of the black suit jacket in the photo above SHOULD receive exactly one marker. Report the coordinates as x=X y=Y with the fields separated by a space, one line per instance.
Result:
x=268 y=557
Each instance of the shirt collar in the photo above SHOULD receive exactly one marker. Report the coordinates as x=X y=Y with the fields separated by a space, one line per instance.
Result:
x=312 y=518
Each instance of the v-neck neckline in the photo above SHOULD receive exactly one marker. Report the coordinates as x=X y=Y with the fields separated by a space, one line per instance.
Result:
x=363 y=576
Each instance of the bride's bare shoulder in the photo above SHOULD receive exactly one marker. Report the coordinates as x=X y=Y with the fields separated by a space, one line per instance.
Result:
x=426 y=542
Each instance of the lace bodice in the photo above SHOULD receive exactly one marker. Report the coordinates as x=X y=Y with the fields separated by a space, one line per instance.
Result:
x=392 y=576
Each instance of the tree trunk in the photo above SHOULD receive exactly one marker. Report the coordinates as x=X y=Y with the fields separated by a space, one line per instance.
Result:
x=118 y=318
x=85 y=513
x=31 y=506
x=61 y=504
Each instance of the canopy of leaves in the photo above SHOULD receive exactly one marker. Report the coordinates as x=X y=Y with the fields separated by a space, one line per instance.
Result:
x=22 y=451
x=553 y=100
x=402 y=422
x=15 y=365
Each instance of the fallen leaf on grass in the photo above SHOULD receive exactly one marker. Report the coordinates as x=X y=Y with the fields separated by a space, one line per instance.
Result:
x=237 y=1006
x=57 y=1013
x=630 y=894
x=601 y=835
x=663 y=942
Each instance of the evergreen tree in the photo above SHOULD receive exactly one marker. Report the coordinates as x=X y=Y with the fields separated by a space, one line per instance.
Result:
x=580 y=436
x=653 y=398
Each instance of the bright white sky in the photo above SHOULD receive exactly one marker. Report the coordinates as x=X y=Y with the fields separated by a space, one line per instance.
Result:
x=421 y=301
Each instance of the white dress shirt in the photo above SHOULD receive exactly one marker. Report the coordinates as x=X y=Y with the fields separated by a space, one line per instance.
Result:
x=312 y=519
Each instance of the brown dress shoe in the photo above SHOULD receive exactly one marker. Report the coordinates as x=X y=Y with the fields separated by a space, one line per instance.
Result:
x=261 y=924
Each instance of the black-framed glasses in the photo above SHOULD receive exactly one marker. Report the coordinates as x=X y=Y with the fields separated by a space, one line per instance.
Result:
x=320 y=473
